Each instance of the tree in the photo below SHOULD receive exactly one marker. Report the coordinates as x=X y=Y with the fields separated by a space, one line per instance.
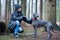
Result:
x=49 y=12
x=31 y=7
x=41 y=5
x=0 y=10
x=27 y=8
x=34 y=6
x=39 y=8
x=7 y=11
x=58 y=11
x=23 y=6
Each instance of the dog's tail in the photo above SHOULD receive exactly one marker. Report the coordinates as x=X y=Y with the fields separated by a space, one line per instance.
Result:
x=56 y=27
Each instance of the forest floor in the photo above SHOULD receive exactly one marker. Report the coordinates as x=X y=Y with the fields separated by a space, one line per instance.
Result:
x=55 y=36
x=28 y=35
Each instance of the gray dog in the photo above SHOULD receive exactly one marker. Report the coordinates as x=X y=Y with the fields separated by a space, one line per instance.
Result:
x=41 y=23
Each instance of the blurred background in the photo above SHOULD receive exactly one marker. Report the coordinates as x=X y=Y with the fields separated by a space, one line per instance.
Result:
x=47 y=9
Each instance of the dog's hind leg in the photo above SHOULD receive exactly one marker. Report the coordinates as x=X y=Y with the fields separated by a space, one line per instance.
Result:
x=45 y=29
x=52 y=29
x=49 y=35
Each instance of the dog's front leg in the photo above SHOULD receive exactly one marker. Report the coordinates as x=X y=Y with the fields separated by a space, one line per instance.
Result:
x=35 y=32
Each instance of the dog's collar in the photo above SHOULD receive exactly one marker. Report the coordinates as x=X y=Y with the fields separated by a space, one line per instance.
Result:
x=33 y=19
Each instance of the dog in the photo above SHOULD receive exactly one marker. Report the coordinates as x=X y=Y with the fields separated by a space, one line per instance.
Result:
x=41 y=23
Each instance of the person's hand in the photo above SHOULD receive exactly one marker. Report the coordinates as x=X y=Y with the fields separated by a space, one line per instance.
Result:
x=23 y=17
x=33 y=18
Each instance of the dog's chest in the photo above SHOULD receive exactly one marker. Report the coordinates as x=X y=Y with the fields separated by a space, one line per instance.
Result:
x=35 y=22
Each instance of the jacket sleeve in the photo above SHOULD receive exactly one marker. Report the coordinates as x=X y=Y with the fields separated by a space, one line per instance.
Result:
x=27 y=20
x=17 y=18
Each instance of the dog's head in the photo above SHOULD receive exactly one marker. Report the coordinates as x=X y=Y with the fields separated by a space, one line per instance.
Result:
x=35 y=16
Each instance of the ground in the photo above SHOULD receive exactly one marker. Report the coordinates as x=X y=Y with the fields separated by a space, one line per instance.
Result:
x=28 y=35
x=55 y=36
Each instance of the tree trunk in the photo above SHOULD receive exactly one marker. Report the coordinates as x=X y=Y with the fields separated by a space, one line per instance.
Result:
x=12 y=7
x=0 y=10
x=41 y=9
x=7 y=11
x=27 y=8
x=34 y=6
x=31 y=7
x=58 y=12
x=49 y=10
x=23 y=6
x=19 y=1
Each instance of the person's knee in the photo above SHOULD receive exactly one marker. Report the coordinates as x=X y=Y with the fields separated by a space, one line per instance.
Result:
x=21 y=30
x=17 y=22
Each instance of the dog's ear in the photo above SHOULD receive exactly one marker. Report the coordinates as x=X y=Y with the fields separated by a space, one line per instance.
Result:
x=35 y=15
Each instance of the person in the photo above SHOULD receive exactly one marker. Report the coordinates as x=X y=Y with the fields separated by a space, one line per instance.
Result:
x=16 y=18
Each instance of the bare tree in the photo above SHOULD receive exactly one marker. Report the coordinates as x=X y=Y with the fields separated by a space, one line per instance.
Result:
x=23 y=6
x=39 y=8
x=41 y=5
x=27 y=7
x=49 y=10
x=7 y=11
x=0 y=10
x=31 y=7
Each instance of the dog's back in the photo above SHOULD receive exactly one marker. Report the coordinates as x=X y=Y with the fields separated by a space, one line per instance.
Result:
x=41 y=23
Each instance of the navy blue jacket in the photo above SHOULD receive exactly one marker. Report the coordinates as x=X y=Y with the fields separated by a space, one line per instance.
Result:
x=16 y=16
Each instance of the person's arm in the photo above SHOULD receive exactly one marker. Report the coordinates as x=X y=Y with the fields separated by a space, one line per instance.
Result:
x=17 y=18
x=27 y=20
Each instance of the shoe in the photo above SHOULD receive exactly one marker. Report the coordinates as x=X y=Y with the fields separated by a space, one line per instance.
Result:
x=17 y=36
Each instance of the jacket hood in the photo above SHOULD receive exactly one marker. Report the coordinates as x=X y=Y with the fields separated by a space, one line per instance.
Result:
x=17 y=6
